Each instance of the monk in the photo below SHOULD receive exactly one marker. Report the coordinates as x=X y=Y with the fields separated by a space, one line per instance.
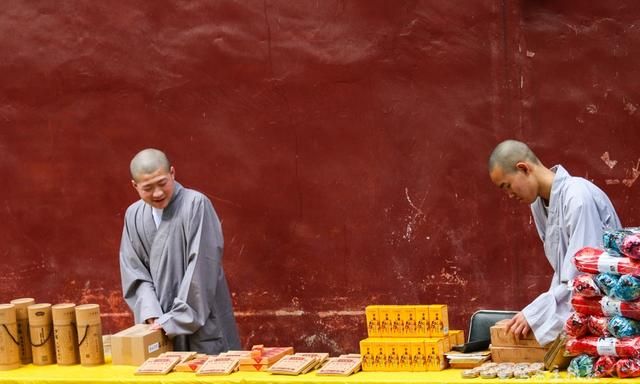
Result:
x=171 y=260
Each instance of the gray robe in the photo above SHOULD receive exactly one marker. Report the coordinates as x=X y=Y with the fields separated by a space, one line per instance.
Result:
x=578 y=214
x=175 y=273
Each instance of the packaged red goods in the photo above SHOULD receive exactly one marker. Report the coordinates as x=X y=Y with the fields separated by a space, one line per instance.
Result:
x=584 y=285
x=606 y=306
x=631 y=246
x=598 y=326
x=595 y=260
x=628 y=368
x=604 y=346
x=576 y=325
x=605 y=366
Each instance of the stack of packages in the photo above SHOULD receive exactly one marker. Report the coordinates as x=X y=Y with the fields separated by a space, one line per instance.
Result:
x=604 y=331
x=406 y=338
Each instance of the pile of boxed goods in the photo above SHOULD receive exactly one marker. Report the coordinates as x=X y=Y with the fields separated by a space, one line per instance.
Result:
x=604 y=331
x=407 y=338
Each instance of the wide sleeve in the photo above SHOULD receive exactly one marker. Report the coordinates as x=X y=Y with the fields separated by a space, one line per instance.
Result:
x=581 y=226
x=191 y=308
x=137 y=285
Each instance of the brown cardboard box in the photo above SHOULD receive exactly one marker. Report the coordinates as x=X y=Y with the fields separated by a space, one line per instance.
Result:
x=517 y=354
x=134 y=345
x=500 y=337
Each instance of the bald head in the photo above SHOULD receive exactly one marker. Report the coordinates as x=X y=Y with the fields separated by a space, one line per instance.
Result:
x=148 y=161
x=509 y=153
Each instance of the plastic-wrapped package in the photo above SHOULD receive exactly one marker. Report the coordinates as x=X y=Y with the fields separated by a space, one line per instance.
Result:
x=581 y=366
x=606 y=306
x=599 y=326
x=605 y=366
x=628 y=368
x=604 y=346
x=576 y=325
x=606 y=282
x=622 y=327
x=584 y=285
x=613 y=240
x=595 y=260
x=627 y=288
x=631 y=246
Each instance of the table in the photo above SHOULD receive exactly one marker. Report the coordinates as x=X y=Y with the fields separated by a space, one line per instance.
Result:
x=121 y=374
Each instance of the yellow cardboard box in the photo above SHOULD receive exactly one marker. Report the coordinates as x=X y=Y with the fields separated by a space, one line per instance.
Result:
x=422 y=321
x=438 y=320
x=435 y=354
x=373 y=320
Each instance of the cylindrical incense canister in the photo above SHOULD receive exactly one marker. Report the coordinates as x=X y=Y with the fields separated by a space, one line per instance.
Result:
x=22 y=319
x=65 y=333
x=41 y=331
x=90 y=334
x=9 y=351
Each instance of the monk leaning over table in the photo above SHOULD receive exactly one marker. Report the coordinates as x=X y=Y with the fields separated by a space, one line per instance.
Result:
x=569 y=213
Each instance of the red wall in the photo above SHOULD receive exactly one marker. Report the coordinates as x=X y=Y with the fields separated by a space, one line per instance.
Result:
x=343 y=144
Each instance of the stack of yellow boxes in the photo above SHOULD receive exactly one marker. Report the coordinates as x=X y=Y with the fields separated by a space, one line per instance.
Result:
x=406 y=338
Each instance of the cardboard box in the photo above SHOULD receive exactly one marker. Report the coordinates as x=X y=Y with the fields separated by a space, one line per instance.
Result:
x=385 y=321
x=501 y=338
x=438 y=320
x=517 y=354
x=380 y=355
x=435 y=354
x=456 y=336
x=397 y=323
x=393 y=357
x=419 y=355
x=422 y=321
x=405 y=362
x=409 y=318
x=134 y=345
x=373 y=320
x=367 y=350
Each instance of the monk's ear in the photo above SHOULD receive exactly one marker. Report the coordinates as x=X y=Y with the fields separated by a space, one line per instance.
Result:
x=134 y=185
x=523 y=167
x=172 y=172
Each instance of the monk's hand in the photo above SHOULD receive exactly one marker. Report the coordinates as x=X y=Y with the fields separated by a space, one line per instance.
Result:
x=156 y=325
x=518 y=326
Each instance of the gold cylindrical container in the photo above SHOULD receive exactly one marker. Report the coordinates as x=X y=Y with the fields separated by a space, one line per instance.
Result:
x=65 y=333
x=41 y=332
x=9 y=350
x=22 y=319
x=90 y=334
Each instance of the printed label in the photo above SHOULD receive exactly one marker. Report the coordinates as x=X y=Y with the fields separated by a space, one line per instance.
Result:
x=606 y=346
x=610 y=307
x=153 y=347
x=608 y=263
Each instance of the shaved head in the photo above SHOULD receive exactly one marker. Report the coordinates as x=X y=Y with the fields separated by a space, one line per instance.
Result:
x=509 y=153
x=148 y=161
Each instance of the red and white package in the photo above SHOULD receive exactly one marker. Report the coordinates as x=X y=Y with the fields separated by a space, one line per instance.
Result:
x=577 y=325
x=628 y=368
x=604 y=346
x=595 y=260
x=605 y=366
x=606 y=306
x=584 y=285
x=598 y=326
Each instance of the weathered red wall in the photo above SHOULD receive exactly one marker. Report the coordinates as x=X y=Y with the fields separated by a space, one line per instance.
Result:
x=343 y=143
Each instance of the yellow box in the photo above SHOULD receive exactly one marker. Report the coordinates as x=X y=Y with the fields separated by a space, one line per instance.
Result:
x=422 y=321
x=419 y=355
x=438 y=320
x=456 y=336
x=380 y=355
x=409 y=318
x=393 y=357
x=406 y=358
x=385 y=321
x=373 y=320
x=446 y=344
x=435 y=354
x=397 y=322
x=453 y=340
x=367 y=351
